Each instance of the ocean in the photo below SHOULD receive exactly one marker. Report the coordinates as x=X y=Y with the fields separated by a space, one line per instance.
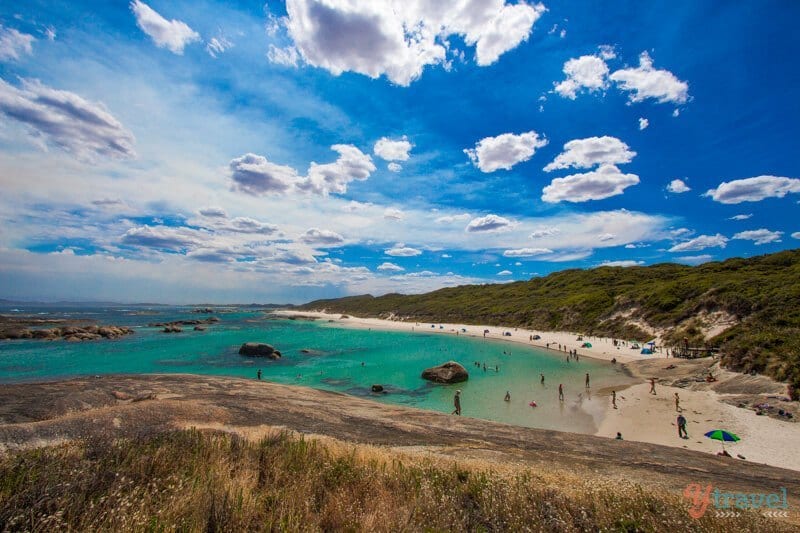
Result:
x=339 y=359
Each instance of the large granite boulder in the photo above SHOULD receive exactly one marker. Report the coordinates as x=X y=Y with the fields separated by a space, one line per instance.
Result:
x=258 y=349
x=449 y=372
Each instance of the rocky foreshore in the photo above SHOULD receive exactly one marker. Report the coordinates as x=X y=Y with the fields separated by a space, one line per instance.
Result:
x=67 y=333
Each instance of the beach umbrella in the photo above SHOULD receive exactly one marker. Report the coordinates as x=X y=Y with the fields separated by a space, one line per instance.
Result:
x=722 y=436
x=587 y=345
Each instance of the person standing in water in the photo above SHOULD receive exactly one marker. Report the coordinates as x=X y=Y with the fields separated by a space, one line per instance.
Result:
x=508 y=396
x=560 y=392
x=541 y=379
x=587 y=380
x=259 y=374
x=457 y=403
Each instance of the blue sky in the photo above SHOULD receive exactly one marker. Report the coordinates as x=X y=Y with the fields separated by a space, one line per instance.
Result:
x=240 y=151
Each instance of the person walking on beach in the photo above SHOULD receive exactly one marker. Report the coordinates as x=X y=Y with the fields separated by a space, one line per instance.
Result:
x=508 y=396
x=614 y=398
x=258 y=374
x=677 y=402
x=587 y=380
x=652 y=385
x=682 y=427
x=560 y=392
x=541 y=379
x=457 y=403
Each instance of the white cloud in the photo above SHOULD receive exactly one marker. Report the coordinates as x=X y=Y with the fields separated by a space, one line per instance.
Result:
x=504 y=151
x=562 y=33
x=701 y=243
x=14 y=44
x=624 y=263
x=488 y=223
x=796 y=235
x=394 y=167
x=585 y=72
x=605 y=237
x=163 y=237
x=677 y=186
x=64 y=119
x=321 y=237
x=390 y=267
x=741 y=217
x=401 y=250
x=288 y=56
x=676 y=113
x=760 y=236
x=254 y=174
x=217 y=46
x=213 y=212
x=694 y=259
x=586 y=153
x=607 y=51
x=397 y=38
x=173 y=35
x=504 y=273
x=527 y=252
x=643 y=123
x=446 y=256
x=393 y=213
x=352 y=164
x=598 y=184
x=647 y=82
x=538 y=233
x=449 y=219
x=248 y=225
x=753 y=189
x=390 y=150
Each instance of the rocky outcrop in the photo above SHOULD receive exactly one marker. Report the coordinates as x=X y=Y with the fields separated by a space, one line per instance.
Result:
x=377 y=388
x=172 y=329
x=203 y=310
x=178 y=323
x=449 y=372
x=258 y=349
x=68 y=333
x=199 y=328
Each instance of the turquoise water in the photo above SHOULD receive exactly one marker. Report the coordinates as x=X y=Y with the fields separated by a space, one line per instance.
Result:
x=344 y=360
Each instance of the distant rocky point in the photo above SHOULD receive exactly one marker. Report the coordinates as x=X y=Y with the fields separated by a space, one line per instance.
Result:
x=67 y=333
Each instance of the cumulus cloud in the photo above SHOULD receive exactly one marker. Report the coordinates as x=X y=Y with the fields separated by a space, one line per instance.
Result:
x=677 y=186
x=753 y=189
x=586 y=153
x=701 y=243
x=449 y=219
x=527 y=252
x=397 y=38
x=539 y=233
x=392 y=213
x=295 y=257
x=598 y=184
x=162 y=237
x=760 y=236
x=213 y=212
x=321 y=237
x=605 y=237
x=401 y=250
x=394 y=167
x=643 y=123
x=647 y=82
x=249 y=225
x=217 y=46
x=66 y=120
x=741 y=217
x=391 y=150
x=504 y=151
x=288 y=56
x=586 y=72
x=254 y=174
x=390 y=267
x=351 y=165
x=488 y=223
x=212 y=255
x=504 y=273
x=694 y=259
x=624 y=263
x=796 y=235
x=14 y=44
x=173 y=35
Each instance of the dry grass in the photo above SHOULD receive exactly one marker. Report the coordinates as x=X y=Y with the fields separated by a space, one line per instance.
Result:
x=194 y=481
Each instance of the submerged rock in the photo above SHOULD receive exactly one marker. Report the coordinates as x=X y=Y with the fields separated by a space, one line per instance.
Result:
x=449 y=372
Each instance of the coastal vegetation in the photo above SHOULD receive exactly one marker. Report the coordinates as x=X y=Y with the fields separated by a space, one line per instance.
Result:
x=189 y=480
x=747 y=308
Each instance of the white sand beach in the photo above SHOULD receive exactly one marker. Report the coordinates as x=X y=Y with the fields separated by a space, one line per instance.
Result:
x=640 y=416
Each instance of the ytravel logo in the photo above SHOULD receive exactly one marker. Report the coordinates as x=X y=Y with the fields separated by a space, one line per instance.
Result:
x=730 y=503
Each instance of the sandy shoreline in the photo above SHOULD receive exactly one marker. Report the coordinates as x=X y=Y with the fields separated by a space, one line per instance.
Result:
x=640 y=416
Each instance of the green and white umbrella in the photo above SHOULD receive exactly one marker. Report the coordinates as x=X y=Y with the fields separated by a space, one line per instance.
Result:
x=722 y=436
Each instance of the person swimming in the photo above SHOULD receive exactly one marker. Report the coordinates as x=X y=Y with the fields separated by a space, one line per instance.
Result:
x=508 y=396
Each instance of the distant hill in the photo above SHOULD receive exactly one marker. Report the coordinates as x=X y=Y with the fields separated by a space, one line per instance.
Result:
x=749 y=308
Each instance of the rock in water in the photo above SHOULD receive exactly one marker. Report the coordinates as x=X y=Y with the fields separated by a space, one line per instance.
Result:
x=377 y=388
x=257 y=349
x=449 y=372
